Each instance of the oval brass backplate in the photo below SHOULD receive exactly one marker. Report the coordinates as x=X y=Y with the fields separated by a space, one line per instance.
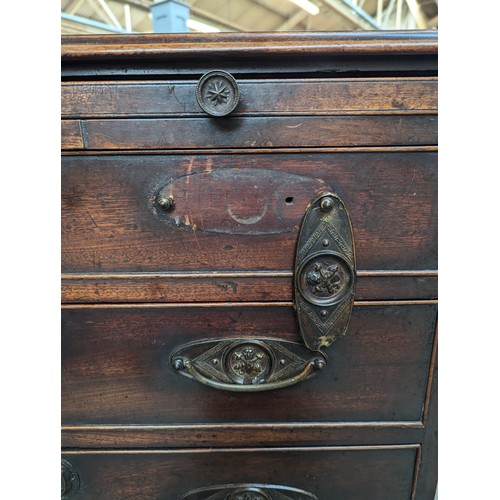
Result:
x=325 y=272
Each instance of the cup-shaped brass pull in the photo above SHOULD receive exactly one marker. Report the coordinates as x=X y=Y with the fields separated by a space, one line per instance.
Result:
x=248 y=491
x=246 y=365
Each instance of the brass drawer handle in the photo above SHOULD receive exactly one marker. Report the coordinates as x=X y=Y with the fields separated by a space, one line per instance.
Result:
x=325 y=272
x=70 y=481
x=217 y=93
x=246 y=365
x=248 y=492
x=324 y=279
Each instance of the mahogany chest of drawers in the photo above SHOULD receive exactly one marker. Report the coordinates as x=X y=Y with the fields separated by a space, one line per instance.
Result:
x=249 y=266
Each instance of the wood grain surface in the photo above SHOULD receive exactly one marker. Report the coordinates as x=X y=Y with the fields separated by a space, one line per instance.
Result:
x=380 y=473
x=355 y=112
x=234 y=287
x=239 y=435
x=110 y=221
x=311 y=96
x=255 y=131
x=256 y=45
x=71 y=134
x=116 y=367
x=256 y=55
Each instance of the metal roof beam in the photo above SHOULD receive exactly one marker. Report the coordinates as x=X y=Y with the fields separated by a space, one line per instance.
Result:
x=417 y=13
x=210 y=16
x=109 y=13
x=268 y=7
x=380 y=8
x=399 y=13
x=91 y=22
x=290 y=23
x=388 y=12
x=75 y=6
x=128 y=17
x=352 y=12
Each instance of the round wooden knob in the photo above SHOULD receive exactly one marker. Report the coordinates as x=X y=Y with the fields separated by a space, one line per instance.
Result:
x=217 y=93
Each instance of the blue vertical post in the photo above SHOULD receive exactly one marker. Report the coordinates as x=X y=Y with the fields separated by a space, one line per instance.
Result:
x=170 y=16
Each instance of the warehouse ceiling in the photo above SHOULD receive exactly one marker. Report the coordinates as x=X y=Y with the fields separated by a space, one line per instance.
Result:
x=135 y=16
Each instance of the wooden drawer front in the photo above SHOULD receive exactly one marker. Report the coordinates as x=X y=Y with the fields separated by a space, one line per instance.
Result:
x=282 y=97
x=165 y=115
x=380 y=473
x=116 y=367
x=253 y=132
x=242 y=212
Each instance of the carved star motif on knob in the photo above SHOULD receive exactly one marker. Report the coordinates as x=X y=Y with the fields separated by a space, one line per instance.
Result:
x=217 y=92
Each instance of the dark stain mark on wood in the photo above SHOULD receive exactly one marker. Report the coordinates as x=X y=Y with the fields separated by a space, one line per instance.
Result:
x=239 y=201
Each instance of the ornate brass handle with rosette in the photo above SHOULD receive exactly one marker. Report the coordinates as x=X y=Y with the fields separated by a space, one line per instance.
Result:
x=248 y=492
x=247 y=365
x=324 y=281
x=325 y=272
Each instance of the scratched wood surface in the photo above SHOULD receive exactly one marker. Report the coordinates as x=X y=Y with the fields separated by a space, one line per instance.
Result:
x=255 y=131
x=110 y=220
x=234 y=287
x=284 y=96
x=71 y=134
x=381 y=472
x=116 y=368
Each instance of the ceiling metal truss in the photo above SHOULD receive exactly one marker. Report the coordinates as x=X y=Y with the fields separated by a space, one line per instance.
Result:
x=134 y=16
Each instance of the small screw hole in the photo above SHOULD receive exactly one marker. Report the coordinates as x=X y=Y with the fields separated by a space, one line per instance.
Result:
x=289 y=200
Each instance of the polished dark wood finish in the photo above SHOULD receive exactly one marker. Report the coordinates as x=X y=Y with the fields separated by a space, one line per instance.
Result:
x=111 y=222
x=116 y=366
x=234 y=45
x=181 y=227
x=262 y=434
x=381 y=472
